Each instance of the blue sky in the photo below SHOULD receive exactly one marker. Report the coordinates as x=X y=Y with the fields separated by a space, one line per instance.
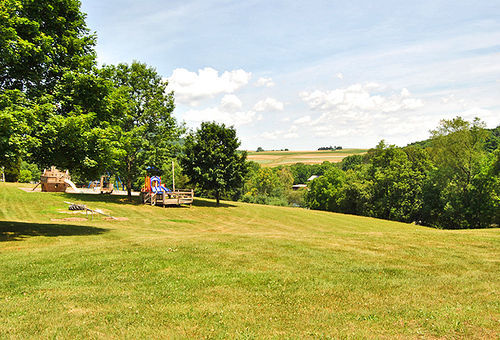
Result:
x=301 y=75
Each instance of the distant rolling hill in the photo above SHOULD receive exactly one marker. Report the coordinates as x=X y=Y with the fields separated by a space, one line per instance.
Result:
x=275 y=158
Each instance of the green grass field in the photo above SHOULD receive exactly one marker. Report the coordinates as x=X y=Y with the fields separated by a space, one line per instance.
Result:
x=237 y=271
x=275 y=158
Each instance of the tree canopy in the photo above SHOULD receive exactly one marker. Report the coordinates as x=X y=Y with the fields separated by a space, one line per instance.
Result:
x=144 y=129
x=40 y=41
x=451 y=183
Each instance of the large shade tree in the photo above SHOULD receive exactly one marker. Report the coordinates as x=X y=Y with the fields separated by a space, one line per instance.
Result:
x=140 y=112
x=212 y=161
x=40 y=42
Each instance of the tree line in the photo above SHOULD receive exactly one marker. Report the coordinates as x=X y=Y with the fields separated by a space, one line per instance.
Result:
x=451 y=180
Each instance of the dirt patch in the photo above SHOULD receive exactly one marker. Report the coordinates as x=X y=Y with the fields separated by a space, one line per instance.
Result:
x=312 y=156
x=115 y=219
x=31 y=189
x=263 y=157
x=72 y=212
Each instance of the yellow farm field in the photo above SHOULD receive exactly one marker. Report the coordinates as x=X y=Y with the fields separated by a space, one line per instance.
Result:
x=276 y=158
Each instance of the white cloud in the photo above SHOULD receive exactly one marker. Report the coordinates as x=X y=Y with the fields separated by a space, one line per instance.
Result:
x=191 y=87
x=489 y=117
x=227 y=112
x=292 y=132
x=303 y=120
x=360 y=98
x=270 y=135
x=370 y=111
x=218 y=115
x=230 y=103
x=269 y=104
x=332 y=132
x=340 y=76
x=265 y=82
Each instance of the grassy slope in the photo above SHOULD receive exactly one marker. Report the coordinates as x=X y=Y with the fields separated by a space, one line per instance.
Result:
x=238 y=271
x=275 y=158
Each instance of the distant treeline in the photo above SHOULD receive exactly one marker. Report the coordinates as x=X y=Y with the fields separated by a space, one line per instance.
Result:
x=329 y=148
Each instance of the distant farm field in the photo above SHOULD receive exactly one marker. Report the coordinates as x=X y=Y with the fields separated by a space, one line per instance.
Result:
x=238 y=271
x=275 y=158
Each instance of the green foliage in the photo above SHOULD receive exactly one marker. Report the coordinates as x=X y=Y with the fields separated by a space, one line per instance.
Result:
x=17 y=119
x=181 y=180
x=351 y=162
x=325 y=192
x=357 y=193
x=25 y=176
x=302 y=172
x=57 y=108
x=271 y=186
x=44 y=44
x=397 y=182
x=40 y=41
x=458 y=148
x=461 y=193
x=493 y=140
x=28 y=173
x=141 y=119
x=212 y=161
x=454 y=184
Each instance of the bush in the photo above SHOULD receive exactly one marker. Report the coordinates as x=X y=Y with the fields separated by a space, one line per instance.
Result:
x=25 y=176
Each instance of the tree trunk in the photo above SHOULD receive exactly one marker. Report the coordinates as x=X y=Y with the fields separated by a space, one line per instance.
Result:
x=217 y=197
x=129 y=181
x=129 y=188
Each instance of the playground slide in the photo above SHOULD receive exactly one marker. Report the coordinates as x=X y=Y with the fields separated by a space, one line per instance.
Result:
x=71 y=184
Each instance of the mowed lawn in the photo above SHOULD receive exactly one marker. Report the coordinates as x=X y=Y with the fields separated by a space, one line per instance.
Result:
x=275 y=158
x=237 y=271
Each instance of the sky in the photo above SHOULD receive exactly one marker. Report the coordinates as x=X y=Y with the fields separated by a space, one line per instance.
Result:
x=306 y=74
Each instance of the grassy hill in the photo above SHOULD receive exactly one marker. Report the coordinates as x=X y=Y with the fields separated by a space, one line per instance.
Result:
x=237 y=271
x=275 y=158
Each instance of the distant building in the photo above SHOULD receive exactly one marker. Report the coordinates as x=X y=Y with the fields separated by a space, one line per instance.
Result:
x=299 y=186
x=312 y=177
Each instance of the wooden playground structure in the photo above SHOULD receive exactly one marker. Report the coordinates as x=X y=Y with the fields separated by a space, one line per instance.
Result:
x=54 y=180
x=154 y=193
x=164 y=199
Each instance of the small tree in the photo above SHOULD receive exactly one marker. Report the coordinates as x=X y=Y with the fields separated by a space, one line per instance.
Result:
x=211 y=159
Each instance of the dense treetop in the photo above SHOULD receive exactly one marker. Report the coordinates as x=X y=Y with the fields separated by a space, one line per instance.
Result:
x=39 y=41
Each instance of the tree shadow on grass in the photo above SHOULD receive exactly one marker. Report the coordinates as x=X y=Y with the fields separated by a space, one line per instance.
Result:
x=118 y=199
x=16 y=231
x=212 y=204
x=136 y=200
